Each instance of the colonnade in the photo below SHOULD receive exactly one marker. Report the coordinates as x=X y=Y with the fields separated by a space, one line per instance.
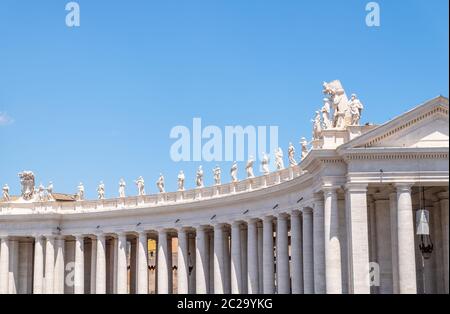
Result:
x=324 y=246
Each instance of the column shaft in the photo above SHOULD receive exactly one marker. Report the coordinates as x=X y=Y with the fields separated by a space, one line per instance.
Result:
x=252 y=256
x=358 y=239
x=163 y=271
x=308 y=255
x=333 y=266
x=122 y=264
x=183 y=264
x=405 y=232
x=201 y=262
x=219 y=287
x=38 y=274
x=296 y=253
x=268 y=262
x=142 y=268
x=319 y=246
x=394 y=240
x=49 y=264
x=283 y=280
x=100 y=280
x=79 y=265
x=236 y=271
x=59 y=266
x=4 y=265
x=445 y=243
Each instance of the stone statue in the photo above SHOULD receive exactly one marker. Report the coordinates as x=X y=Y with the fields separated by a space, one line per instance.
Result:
x=6 y=196
x=140 y=186
x=181 y=179
x=199 y=177
x=49 y=192
x=80 y=193
x=356 y=109
x=317 y=127
x=279 y=159
x=304 y=145
x=233 y=172
x=265 y=164
x=291 y=155
x=326 y=110
x=339 y=102
x=122 y=186
x=101 y=191
x=217 y=175
x=160 y=184
x=27 y=182
x=249 y=167
x=41 y=193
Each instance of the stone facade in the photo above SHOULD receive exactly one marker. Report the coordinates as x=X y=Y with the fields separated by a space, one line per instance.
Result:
x=341 y=221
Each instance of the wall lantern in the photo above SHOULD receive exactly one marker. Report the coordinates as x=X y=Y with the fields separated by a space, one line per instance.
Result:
x=423 y=228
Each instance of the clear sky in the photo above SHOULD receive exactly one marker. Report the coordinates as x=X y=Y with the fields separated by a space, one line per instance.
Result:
x=98 y=102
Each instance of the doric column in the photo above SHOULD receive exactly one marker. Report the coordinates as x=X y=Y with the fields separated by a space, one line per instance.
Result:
x=319 y=245
x=122 y=264
x=79 y=265
x=296 y=253
x=405 y=231
x=142 y=267
x=358 y=238
x=183 y=263
x=236 y=270
x=13 y=266
x=394 y=240
x=201 y=261
x=59 y=265
x=444 y=226
x=163 y=271
x=252 y=256
x=4 y=264
x=191 y=263
x=49 y=264
x=268 y=267
x=436 y=235
x=38 y=274
x=93 y=279
x=219 y=287
x=260 y=257
x=333 y=268
x=227 y=261
x=384 y=250
x=100 y=280
x=308 y=255
x=283 y=280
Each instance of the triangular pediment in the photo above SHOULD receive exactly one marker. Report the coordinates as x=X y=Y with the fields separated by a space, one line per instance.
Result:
x=424 y=126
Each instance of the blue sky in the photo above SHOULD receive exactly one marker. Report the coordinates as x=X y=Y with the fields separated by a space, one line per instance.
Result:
x=98 y=102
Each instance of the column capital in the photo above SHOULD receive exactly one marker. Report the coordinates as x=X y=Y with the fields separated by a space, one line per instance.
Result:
x=38 y=236
x=4 y=237
x=268 y=218
x=142 y=233
x=295 y=212
x=307 y=210
x=403 y=187
x=79 y=237
x=331 y=188
x=121 y=233
x=236 y=224
x=356 y=187
x=219 y=226
x=443 y=195
x=282 y=216
x=251 y=220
